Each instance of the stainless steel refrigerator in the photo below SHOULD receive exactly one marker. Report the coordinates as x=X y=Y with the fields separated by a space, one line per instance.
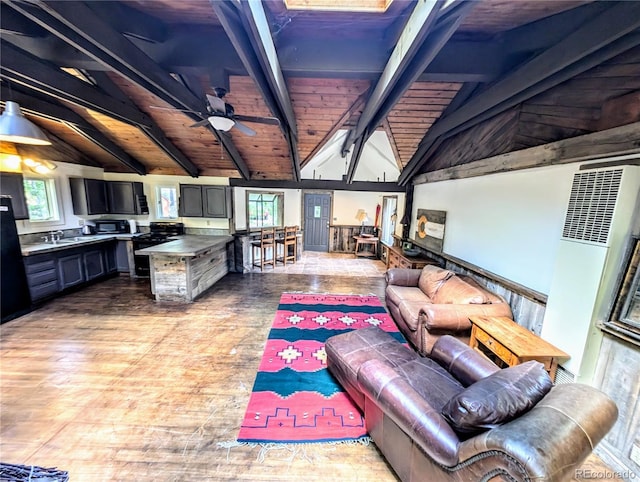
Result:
x=15 y=298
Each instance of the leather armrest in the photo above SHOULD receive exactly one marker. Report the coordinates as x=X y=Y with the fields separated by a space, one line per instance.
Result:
x=453 y=318
x=381 y=384
x=555 y=436
x=463 y=362
x=403 y=276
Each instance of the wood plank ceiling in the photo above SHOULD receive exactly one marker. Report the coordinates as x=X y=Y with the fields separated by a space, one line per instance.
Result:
x=330 y=63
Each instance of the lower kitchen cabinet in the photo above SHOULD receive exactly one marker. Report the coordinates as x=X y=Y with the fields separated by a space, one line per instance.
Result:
x=71 y=270
x=51 y=273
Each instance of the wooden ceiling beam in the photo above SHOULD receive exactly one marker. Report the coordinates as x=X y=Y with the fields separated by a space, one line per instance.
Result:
x=245 y=28
x=403 y=72
x=22 y=68
x=603 y=37
x=75 y=122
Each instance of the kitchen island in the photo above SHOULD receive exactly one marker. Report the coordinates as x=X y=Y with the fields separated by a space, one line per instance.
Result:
x=183 y=269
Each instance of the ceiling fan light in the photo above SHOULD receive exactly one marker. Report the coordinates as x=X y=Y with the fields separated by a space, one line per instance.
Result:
x=16 y=128
x=221 y=123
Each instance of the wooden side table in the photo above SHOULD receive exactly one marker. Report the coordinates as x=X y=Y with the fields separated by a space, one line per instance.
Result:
x=366 y=241
x=513 y=344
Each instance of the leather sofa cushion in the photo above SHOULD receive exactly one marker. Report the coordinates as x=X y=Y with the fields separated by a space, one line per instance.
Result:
x=432 y=278
x=397 y=294
x=410 y=312
x=430 y=380
x=458 y=292
x=498 y=398
x=491 y=297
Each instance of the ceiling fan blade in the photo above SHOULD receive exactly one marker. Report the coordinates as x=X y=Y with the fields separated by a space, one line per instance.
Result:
x=260 y=120
x=244 y=129
x=216 y=103
x=200 y=123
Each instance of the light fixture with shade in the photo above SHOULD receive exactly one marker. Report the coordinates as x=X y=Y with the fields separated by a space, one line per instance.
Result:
x=221 y=123
x=16 y=128
x=362 y=217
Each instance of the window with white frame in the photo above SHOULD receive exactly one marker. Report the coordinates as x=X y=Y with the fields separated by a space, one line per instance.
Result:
x=265 y=209
x=42 y=201
x=167 y=197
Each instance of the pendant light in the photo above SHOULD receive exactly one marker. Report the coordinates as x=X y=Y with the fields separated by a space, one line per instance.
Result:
x=16 y=128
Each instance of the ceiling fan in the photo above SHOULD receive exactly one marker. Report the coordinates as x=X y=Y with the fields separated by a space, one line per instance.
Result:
x=223 y=117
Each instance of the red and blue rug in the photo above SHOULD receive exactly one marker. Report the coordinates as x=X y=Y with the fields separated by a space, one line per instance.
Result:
x=295 y=399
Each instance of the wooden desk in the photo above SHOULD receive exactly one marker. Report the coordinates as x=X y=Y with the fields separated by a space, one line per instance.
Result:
x=513 y=344
x=366 y=241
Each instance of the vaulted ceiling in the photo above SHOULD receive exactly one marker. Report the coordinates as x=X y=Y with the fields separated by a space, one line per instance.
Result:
x=118 y=84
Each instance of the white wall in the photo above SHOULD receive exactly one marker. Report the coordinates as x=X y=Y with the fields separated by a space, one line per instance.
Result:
x=508 y=223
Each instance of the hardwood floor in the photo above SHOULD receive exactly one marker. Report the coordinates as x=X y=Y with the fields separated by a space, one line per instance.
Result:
x=108 y=385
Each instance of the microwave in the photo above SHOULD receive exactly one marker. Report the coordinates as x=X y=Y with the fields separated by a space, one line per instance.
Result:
x=110 y=226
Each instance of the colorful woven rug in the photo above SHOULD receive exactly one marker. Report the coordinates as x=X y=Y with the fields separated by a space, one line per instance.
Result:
x=295 y=399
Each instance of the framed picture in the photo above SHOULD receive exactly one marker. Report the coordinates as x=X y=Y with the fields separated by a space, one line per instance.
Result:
x=430 y=229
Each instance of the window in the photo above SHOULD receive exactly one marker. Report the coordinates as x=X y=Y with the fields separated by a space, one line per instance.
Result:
x=625 y=320
x=41 y=199
x=265 y=209
x=167 y=202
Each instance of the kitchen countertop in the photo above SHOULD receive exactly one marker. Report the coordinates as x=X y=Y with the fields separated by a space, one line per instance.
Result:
x=188 y=245
x=73 y=242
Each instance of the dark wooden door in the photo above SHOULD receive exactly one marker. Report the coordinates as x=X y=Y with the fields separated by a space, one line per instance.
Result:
x=96 y=191
x=71 y=270
x=94 y=264
x=317 y=210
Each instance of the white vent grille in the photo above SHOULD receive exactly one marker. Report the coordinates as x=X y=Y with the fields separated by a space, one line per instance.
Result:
x=591 y=205
x=564 y=376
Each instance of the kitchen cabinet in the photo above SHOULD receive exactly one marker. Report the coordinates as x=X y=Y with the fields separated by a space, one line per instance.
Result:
x=51 y=273
x=88 y=196
x=95 y=196
x=71 y=270
x=126 y=198
x=42 y=275
x=204 y=201
x=12 y=184
x=124 y=255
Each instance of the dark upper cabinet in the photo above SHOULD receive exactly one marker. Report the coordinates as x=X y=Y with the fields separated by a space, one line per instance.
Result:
x=89 y=196
x=12 y=184
x=95 y=196
x=191 y=201
x=125 y=197
x=204 y=201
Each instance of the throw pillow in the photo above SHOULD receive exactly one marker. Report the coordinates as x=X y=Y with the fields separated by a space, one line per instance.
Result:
x=498 y=398
x=432 y=278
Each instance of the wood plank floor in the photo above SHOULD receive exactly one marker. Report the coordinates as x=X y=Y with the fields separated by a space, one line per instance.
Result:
x=109 y=385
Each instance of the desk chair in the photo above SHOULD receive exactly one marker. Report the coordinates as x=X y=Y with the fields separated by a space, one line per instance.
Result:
x=289 y=240
x=264 y=246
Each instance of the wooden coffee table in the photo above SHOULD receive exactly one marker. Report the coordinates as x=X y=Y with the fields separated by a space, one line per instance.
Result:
x=512 y=343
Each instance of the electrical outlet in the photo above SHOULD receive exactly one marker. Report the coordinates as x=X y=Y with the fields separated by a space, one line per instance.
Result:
x=635 y=453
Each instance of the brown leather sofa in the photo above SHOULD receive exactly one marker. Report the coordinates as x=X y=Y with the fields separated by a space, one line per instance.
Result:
x=430 y=302
x=413 y=407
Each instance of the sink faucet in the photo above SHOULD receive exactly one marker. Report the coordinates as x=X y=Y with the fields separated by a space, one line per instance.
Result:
x=55 y=236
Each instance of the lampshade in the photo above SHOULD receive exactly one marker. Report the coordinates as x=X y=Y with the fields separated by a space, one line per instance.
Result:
x=361 y=216
x=14 y=127
x=221 y=123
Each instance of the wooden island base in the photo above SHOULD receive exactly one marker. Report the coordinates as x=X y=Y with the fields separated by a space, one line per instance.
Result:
x=182 y=270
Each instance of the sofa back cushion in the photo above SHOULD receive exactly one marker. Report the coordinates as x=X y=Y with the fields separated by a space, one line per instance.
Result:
x=498 y=398
x=458 y=292
x=432 y=278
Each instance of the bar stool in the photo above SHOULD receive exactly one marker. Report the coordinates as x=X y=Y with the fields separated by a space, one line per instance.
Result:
x=262 y=246
x=289 y=240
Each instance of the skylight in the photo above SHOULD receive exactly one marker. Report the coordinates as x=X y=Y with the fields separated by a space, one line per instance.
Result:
x=339 y=5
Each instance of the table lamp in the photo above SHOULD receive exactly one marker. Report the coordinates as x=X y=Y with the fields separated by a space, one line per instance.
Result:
x=362 y=217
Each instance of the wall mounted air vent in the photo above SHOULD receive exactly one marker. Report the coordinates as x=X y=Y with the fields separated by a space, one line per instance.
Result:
x=591 y=205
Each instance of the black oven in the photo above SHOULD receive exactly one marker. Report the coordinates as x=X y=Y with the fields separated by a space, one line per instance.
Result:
x=158 y=233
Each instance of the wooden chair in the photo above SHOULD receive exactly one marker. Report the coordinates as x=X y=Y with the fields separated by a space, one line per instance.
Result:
x=289 y=240
x=264 y=246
